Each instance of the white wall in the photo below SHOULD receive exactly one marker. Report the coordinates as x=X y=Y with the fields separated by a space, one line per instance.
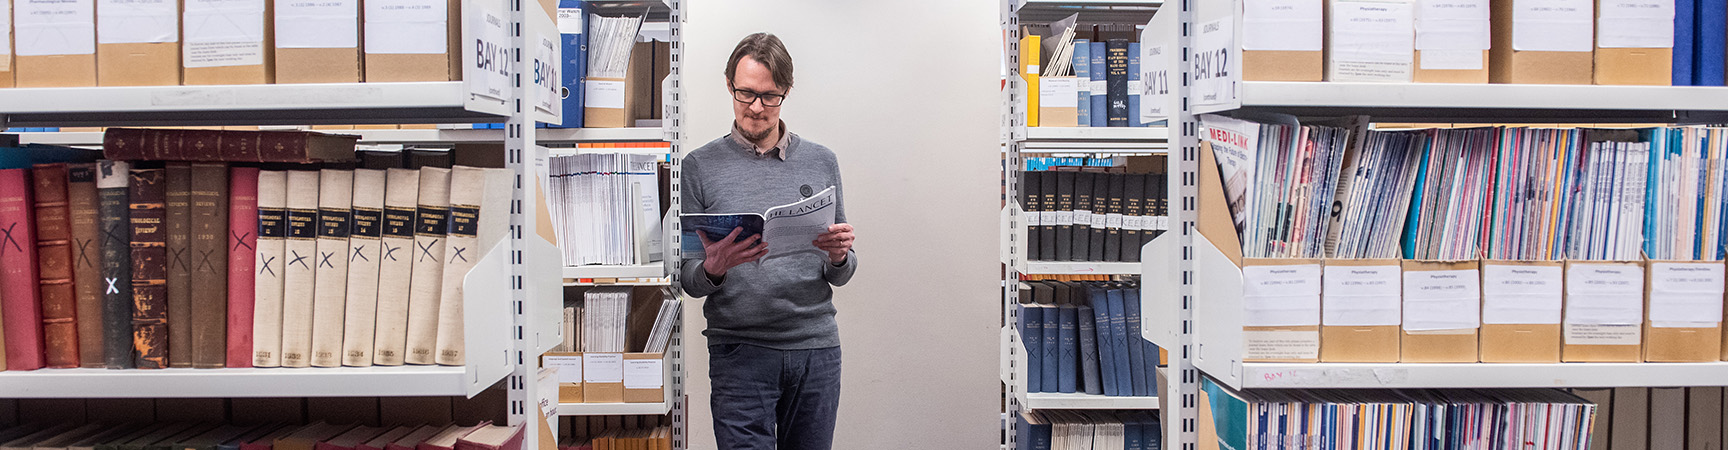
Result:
x=906 y=93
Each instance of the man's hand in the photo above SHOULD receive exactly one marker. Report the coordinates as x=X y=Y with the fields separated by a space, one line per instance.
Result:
x=836 y=242
x=727 y=253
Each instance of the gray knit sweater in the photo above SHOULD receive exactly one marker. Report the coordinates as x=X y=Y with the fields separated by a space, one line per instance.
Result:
x=783 y=303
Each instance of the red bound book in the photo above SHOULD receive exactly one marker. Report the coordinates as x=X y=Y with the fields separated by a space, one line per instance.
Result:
x=54 y=265
x=414 y=438
x=242 y=250
x=492 y=437
x=383 y=441
x=446 y=439
x=19 y=305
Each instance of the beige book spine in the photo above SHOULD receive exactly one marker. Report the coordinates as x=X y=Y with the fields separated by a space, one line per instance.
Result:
x=330 y=294
x=361 y=319
x=395 y=266
x=267 y=287
x=431 y=223
x=474 y=198
x=298 y=274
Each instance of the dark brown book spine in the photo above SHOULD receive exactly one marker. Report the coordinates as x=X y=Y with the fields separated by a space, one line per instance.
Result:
x=54 y=265
x=240 y=146
x=149 y=269
x=86 y=261
x=124 y=144
x=178 y=236
x=282 y=147
x=202 y=146
x=209 y=259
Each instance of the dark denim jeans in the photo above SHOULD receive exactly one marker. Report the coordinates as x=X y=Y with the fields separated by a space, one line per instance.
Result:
x=767 y=399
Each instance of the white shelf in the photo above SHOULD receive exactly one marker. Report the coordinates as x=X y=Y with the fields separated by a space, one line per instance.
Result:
x=635 y=134
x=264 y=104
x=1395 y=375
x=1081 y=268
x=650 y=270
x=613 y=409
x=1084 y=401
x=1432 y=102
x=424 y=136
x=220 y=383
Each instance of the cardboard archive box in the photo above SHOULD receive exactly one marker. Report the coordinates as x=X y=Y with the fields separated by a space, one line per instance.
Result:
x=1370 y=40
x=569 y=368
x=1677 y=295
x=138 y=43
x=1361 y=309
x=645 y=376
x=1280 y=310
x=1452 y=41
x=1635 y=42
x=54 y=43
x=1521 y=310
x=1283 y=40
x=1557 y=51
x=1604 y=312
x=412 y=44
x=1442 y=318
x=602 y=377
x=316 y=42
x=227 y=42
x=1059 y=103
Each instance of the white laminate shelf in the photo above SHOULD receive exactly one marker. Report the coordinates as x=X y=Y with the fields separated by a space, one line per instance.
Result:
x=1084 y=401
x=1479 y=375
x=1092 y=140
x=650 y=270
x=378 y=381
x=264 y=104
x=431 y=136
x=1081 y=268
x=1494 y=103
x=613 y=409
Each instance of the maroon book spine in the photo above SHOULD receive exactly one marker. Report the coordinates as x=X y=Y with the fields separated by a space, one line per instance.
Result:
x=242 y=251
x=19 y=305
x=54 y=265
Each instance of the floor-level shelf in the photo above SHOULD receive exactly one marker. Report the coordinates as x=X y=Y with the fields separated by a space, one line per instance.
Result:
x=263 y=104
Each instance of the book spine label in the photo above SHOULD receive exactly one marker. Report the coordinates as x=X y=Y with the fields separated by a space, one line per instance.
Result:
x=149 y=269
x=209 y=261
x=115 y=219
x=299 y=273
x=18 y=277
x=178 y=227
x=54 y=265
x=242 y=252
x=269 y=268
x=86 y=261
x=431 y=223
x=395 y=266
x=364 y=240
x=1116 y=75
x=335 y=222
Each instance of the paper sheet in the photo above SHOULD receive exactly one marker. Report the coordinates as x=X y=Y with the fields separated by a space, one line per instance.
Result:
x=137 y=21
x=603 y=367
x=1277 y=296
x=569 y=367
x=409 y=26
x=1281 y=25
x=222 y=33
x=1604 y=294
x=1367 y=296
x=5 y=36
x=1280 y=345
x=55 y=27
x=1685 y=295
x=1636 y=24
x=317 y=23
x=1058 y=92
x=1452 y=25
x=1521 y=294
x=1216 y=60
x=1372 y=41
x=1552 y=25
x=643 y=374
x=1442 y=300
x=1155 y=78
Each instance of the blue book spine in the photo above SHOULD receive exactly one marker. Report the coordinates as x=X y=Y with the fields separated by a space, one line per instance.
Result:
x=1098 y=88
x=1083 y=71
x=1712 y=34
x=1032 y=336
x=1106 y=345
x=1029 y=436
x=1134 y=85
x=1683 y=39
x=1069 y=373
x=1089 y=381
x=572 y=24
x=1152 y=432
x=1131 y=439
x=1119 y=332
x=1135 y=343
x=1050 y=380
x=1149 y=350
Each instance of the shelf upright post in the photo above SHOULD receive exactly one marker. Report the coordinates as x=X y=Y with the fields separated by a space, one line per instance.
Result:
x=523 y=408
x=672 y=102
x=1011 y=180
x=1184 y=423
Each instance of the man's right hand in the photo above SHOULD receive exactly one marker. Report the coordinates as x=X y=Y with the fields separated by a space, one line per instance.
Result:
x=729 y=252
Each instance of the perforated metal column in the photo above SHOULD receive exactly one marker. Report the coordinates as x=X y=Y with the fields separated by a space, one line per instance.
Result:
x=1187 y=377
x=1011 y=178
x=674 y=127
x=518 y=142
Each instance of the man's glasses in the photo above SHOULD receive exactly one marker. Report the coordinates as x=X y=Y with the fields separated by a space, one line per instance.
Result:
x=746 y=96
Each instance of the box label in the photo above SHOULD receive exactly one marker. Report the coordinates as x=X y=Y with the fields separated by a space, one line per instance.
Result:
x=643 y=374
x=603 y=367
x=1521 y=294
x=1216 y=60
x=1584 y=334
x=137 y=21
x=1058 y=92
x=413 y=27
x=1366 y=296
x=222 y=54
x=1113 y=221
x=1683 y=293
x=1452 y=25
x=55 y=27
x=317 y=23
x=1373 y=41
x=569 y=367
x=1281 y=296
x=603 y=93
x=1552 y=25
x=1280 y=344
x=570 y=21
x=1442 y=300
x=1635 y=24
x=5 y=36
x=1281 y=25
x=1604 y=294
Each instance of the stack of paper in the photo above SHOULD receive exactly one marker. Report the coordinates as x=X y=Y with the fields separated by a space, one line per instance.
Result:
x=661 y=336
x=1376 y=184
x=606 y=208
x=1280 y=177
x=605 y=314
x=1608 y=198
x=1685 y=198
x=1531 y=193
x=1450 y=203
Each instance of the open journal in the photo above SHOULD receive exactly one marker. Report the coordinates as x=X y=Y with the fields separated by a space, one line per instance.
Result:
x=788 y=229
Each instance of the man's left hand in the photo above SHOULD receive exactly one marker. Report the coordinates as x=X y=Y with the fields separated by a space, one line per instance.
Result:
x=836 y=242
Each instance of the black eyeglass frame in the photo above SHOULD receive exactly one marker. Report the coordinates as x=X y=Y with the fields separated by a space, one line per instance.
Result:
x=739 y=95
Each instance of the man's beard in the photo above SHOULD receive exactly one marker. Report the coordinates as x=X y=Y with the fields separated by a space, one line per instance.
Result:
x=756 y=136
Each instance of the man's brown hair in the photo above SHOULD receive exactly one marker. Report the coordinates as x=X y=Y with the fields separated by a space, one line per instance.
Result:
x=765 y=49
